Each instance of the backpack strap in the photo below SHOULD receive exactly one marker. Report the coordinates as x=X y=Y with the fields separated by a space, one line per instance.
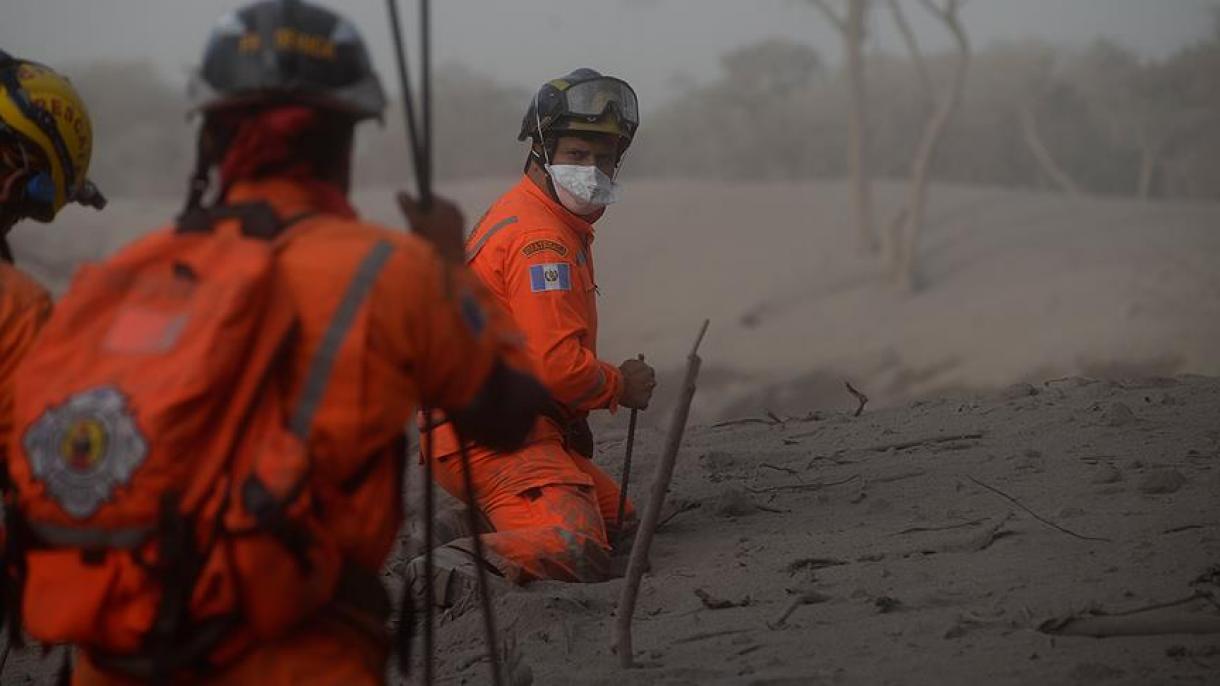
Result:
x=341 y=321
x=257 y=499
x=258 y=219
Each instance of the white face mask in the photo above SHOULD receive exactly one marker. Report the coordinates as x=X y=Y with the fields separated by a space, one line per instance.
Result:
x=583 y=189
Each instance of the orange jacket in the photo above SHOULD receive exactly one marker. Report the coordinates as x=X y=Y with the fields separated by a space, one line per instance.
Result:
x=536 y=259
x=24 y=307
x=426 y=332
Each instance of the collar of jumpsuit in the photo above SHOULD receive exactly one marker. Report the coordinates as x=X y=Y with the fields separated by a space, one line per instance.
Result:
x=291 y=196
x=580 y=224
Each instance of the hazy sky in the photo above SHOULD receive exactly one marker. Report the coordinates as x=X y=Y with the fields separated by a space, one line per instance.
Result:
x=652 y=43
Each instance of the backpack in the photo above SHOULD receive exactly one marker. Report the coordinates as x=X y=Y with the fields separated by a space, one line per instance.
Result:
x=161 y=514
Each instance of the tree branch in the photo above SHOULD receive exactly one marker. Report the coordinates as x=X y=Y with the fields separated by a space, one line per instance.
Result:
x=908 y=37
x=840 y=23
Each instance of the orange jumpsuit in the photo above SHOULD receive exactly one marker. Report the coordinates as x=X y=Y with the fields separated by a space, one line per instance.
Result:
x=412 y=340
x=24 y=307
x=549 y=505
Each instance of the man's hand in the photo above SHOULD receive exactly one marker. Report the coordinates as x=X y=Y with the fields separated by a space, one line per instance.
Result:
x=638 y=381
x=442 y=226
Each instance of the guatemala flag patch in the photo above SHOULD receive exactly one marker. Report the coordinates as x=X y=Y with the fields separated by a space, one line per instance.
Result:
x=554 y=276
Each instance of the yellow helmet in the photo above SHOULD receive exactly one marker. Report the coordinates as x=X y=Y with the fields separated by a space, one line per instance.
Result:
x=41 y=112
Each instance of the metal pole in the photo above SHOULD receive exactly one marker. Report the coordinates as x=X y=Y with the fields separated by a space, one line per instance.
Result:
x=489 y=616
x=418 y=160
x=429 y=590
x=626 y=478
x=425 y=171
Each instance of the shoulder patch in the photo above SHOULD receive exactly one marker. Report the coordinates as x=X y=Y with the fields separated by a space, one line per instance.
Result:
x=556 y=276
x=544 y=245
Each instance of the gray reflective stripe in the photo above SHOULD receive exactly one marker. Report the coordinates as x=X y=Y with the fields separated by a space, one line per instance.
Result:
x=595 y=390
x=90 y=539
x=474 y=251
x=324 y=359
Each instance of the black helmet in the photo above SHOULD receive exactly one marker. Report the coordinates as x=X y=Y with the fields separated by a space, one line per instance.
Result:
x=287 y=50
x=584 y=100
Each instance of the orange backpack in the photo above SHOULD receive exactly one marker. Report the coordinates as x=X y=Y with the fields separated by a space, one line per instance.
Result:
x=163 y=513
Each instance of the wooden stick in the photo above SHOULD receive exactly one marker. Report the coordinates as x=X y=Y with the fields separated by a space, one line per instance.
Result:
x=1106 y=626
x=652 y=513
x=626 y=477
x=863 y=399
x=808 y=598
x=802 y=487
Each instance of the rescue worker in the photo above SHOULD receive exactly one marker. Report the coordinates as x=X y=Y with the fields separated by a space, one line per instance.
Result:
x=46 y=142
x=282 y=85
x=550 y=510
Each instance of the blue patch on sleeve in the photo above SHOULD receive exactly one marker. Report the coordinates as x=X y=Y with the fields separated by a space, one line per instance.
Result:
x=473 y=315
x=553 y=276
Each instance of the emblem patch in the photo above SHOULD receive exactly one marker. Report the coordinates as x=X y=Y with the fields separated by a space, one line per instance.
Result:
x=85 y=448
x=544 y=245
x=550 y=277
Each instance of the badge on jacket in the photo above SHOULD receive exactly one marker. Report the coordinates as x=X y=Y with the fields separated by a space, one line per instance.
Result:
x=85 y=448
x=554 y=276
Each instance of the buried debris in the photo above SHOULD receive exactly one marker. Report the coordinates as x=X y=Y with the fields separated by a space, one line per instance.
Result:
x=1143 y=621
x=1037 y=516
x=802 y=487
x=679 y=507
x=711 y=602
x=812 y=563
x=805 y=598
x=1162 y=481
x=885 y=604
x=980 y=540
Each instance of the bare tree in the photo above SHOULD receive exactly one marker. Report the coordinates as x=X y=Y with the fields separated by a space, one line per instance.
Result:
x=1141 y=104
x=910 y=225
x=1035 y=65
x=850 y=23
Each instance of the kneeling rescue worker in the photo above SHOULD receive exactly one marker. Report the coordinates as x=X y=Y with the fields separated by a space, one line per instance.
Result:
x=209 y=435
x=46 y=142
x=551 y=511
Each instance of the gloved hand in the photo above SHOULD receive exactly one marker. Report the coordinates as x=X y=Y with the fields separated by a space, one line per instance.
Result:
x=639 y=379
x=442 y=225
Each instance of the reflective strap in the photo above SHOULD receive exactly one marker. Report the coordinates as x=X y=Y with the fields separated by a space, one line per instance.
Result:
x=324 y=359
x=90 y=539
x=474 y=251
x=595 y=390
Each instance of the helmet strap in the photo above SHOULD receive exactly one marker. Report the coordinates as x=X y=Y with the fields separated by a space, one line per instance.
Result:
x=209 y=147
x=200 y=179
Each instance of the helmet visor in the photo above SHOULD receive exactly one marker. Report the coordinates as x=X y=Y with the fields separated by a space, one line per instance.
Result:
x=593 y=98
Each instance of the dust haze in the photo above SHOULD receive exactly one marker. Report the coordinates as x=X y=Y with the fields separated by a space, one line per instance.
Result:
x=1070 y=224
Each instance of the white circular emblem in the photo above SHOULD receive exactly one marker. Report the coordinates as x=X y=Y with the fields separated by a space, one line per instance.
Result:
x=84 y=448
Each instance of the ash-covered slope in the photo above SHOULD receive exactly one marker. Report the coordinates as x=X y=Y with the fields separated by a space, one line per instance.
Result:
x=914 y=571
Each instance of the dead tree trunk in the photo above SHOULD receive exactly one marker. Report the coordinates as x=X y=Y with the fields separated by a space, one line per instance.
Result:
x=1042 y=154
x=905 y=262
x=1149 y=161
x=851 y=27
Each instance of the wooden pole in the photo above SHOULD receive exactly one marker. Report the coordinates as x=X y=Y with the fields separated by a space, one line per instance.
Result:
x=652 y=513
